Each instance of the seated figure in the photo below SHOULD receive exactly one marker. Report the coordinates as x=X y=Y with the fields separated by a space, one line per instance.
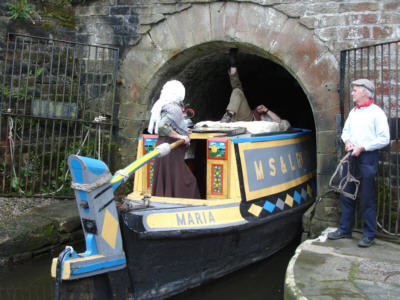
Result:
x=238 y=108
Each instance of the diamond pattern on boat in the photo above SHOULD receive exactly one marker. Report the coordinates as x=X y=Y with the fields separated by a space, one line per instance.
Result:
x=109 y=230
x=255 y=210
x=280 y=204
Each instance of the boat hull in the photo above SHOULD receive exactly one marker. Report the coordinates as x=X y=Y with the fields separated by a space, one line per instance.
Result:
x=256 y=190
x=165 y=264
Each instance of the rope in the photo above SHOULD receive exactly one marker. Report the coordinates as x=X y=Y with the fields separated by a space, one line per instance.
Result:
x=123 y=174
x=12 y=146
x=88 y=187
x=346 y=179
x=98 y=120
x=340 y=189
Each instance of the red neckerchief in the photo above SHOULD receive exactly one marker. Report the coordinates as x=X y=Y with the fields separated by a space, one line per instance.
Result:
x=365 y=104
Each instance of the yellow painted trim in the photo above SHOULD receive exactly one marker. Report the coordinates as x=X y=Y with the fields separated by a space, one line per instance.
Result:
x=309 y=190
x=66 y=274
x=205 y=135
x=269 y=144
x=54 y=267
x=201 y=218
x=185 y=201
x=137 y=183
x=233 y=182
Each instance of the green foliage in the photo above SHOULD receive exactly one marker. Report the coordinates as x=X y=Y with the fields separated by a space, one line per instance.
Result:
x=20 y=92
x=20 y=10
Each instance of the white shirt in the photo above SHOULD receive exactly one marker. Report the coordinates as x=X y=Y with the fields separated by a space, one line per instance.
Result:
x=367 y=127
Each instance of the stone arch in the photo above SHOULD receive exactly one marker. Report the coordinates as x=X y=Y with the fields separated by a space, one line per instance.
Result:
x=263 y=31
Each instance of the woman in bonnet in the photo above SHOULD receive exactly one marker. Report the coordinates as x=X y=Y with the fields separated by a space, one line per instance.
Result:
x=171 y=177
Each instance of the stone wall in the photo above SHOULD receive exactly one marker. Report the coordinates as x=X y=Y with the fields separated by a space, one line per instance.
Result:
x=159 y=38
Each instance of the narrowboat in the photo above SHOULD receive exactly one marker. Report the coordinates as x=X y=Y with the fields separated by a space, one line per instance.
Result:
x=254 y=188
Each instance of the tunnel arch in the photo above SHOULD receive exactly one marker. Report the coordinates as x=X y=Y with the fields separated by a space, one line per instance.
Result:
x=263 y=35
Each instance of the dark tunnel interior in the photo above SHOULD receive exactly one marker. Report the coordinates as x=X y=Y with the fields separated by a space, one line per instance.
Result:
x=204 y=72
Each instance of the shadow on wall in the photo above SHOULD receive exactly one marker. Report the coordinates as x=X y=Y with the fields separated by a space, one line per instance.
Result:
x=204 y=72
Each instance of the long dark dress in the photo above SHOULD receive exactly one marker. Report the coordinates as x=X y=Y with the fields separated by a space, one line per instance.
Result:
x=172 y=177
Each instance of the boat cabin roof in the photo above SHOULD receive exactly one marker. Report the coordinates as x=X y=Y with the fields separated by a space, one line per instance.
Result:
x=240 y=135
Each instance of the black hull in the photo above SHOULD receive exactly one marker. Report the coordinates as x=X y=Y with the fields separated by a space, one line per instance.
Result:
x=159 y=266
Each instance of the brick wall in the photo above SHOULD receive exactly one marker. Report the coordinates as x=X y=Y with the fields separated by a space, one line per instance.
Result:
x=339 y=24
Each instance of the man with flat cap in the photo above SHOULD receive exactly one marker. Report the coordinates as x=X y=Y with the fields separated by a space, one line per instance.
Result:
x=365 y=131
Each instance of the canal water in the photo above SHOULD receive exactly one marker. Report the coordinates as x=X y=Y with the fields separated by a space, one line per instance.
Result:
x=261 y=281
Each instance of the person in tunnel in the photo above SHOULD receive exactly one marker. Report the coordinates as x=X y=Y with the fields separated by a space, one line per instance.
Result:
x=238 y=108
x=171 y=177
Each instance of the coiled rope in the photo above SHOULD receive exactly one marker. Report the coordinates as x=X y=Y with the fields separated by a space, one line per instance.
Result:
x=340 y=189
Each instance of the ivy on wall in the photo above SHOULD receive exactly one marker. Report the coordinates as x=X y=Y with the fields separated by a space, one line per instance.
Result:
x=60 y=10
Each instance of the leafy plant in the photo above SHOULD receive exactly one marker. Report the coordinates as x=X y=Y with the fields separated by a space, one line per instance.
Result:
x=21 y=10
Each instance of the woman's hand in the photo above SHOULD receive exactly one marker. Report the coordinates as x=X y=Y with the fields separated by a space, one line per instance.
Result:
x=185 y=138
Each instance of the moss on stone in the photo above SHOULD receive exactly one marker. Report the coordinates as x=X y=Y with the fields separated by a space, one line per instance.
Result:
x=353 y=271
x=59 y=11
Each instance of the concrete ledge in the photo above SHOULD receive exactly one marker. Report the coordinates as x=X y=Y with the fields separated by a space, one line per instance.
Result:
x=39 y=230
x=325 y=269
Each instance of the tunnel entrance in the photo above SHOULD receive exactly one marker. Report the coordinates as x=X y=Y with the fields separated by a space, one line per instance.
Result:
x=204 y=72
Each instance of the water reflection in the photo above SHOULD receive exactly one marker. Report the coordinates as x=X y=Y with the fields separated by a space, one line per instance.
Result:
x=261 y=281
x=30 y=280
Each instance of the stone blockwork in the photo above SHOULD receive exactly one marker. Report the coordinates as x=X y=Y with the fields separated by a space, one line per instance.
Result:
x=159 y=39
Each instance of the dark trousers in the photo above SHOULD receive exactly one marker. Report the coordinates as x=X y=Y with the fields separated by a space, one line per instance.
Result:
x=364 y=168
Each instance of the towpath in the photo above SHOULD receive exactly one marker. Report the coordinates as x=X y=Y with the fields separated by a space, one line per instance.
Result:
x=325 y=269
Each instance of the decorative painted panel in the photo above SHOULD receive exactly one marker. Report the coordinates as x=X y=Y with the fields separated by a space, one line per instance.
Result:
x=149 y=143
x=217 y=149
x=217 y=179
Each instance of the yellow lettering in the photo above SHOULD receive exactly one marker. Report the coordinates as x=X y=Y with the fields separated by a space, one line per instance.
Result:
x=272 y=172
x=283 y=165
x=299 y=158
x=291 y=163
x=259 y=170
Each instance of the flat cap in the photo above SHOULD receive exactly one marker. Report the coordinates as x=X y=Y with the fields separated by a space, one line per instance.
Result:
x=368 y=84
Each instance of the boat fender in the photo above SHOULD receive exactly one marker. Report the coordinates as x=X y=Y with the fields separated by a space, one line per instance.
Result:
x=164 y=149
